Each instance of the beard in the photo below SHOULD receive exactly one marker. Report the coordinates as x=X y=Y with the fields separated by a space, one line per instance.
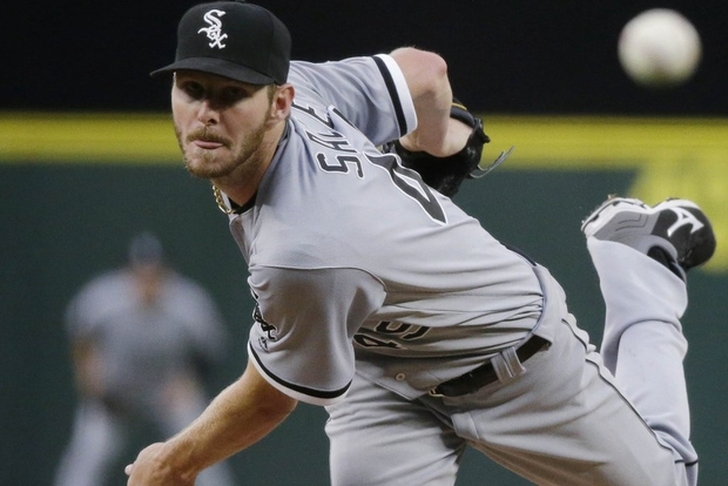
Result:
x=223 y=161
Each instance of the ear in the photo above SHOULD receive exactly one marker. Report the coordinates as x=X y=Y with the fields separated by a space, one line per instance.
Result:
x=281 y=104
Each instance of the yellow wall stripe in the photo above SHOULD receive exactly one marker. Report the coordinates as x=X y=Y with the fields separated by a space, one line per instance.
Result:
x=87 y=138
x=605 y=142
x=541 y=141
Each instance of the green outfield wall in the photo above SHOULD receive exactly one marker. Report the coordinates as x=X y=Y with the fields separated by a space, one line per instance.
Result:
x=75 y=188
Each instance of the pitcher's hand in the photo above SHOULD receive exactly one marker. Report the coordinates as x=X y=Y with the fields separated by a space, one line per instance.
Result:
x=151 y=469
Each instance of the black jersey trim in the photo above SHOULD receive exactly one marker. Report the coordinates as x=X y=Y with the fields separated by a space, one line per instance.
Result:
x=393 y=93
x=520 y=252
x=238 y=209
x=298 y=388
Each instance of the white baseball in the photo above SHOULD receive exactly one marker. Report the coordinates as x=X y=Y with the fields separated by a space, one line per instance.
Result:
x=659 y=48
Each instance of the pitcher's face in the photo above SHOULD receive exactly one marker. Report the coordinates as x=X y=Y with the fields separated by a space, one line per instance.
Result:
x=219 y=122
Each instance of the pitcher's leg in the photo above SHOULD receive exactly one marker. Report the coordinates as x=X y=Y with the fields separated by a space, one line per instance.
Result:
x=641 y=255
x=378 y=438
x=564 y=422
x=643 y=341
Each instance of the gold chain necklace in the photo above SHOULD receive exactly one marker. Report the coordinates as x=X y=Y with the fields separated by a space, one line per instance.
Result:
x=220 y=201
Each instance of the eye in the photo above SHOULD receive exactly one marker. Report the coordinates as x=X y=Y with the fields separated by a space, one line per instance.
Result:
x=193 y=89
x=232 y=94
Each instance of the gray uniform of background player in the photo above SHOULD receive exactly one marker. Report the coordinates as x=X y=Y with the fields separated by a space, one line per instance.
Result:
x=147 y=355
x=372 y=289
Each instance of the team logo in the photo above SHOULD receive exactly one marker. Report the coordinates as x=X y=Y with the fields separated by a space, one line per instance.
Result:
x=684 y=217
x=214 y=29
x=269 y=329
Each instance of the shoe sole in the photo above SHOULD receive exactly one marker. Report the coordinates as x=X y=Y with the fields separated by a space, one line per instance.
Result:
x=603 y=214
x=700 y=250
x=609 y=208
x=616 y=205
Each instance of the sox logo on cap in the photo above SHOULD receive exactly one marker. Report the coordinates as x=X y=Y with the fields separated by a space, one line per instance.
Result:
x=214 y=31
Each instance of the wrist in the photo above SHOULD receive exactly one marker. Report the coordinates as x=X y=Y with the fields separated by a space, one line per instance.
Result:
x=178 y=456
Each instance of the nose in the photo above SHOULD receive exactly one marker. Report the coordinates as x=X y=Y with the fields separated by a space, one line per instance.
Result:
x=207 y=114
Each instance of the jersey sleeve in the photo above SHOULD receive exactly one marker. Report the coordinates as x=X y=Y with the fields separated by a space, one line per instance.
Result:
x=85 y=314
x=305 y=320
x=371 y=93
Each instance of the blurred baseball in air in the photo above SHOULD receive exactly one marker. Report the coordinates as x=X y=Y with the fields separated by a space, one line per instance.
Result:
x=659 y=48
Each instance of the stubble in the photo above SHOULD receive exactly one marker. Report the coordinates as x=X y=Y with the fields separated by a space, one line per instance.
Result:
x=223 y=161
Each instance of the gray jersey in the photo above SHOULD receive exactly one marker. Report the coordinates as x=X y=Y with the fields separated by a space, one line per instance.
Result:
x=355 y=263
x=144 y=346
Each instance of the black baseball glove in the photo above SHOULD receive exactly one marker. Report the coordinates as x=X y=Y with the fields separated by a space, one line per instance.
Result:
x=447 y=173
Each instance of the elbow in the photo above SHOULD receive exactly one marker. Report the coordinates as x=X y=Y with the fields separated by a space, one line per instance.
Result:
x=423 y=60
x=426 y=72
x=435 y=66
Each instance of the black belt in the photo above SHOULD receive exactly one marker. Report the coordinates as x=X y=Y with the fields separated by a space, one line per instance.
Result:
x=476 y=379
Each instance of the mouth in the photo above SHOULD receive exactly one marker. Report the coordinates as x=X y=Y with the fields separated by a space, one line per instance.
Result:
x=207 y=144
x=206 y=140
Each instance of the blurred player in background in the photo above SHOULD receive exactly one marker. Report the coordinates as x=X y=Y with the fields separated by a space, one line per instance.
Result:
x=143 y=338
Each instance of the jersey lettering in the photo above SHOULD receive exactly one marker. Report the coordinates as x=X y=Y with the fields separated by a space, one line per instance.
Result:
x=369 y=341
x=406 y=180
x=341 y=164
x=336 y=141
x=409 y=182
x=333 y=140
x=336 y=112
x=326 y=120
x=397 y=331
